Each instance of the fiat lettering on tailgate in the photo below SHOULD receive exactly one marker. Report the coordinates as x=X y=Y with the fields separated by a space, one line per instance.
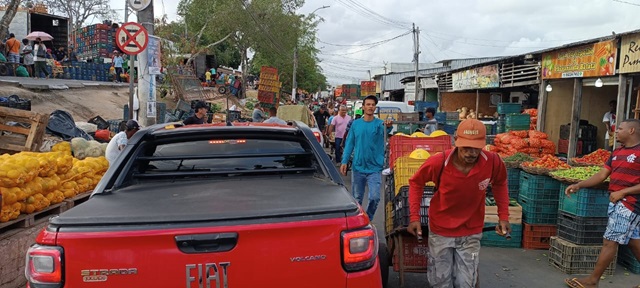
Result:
x=208 y=273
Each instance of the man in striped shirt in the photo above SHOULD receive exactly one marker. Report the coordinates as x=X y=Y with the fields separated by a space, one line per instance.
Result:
x=624 y=210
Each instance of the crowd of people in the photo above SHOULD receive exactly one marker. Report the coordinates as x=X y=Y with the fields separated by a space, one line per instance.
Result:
x=31 y=58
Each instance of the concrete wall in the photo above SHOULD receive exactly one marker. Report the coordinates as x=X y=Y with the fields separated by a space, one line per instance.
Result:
x=452 y=101
x=595 y=102
x=13 y=246
x=18 y=25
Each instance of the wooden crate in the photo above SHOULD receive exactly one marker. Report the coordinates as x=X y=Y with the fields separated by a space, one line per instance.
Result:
x=29 y=220
x=16 y=138
x=491 y=214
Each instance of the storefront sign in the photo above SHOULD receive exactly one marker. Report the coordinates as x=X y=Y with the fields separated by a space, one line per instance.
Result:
x=591 y=60
x=477 y=78
x=630 y=54
x=367 y=88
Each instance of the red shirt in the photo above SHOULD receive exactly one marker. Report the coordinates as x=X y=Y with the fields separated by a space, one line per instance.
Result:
x=624 y=165
x=457 y=208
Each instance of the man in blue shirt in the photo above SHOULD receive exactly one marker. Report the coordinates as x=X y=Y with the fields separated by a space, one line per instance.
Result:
x=366 y=141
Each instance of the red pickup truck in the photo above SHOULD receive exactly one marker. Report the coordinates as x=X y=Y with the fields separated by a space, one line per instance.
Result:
x=236 y=205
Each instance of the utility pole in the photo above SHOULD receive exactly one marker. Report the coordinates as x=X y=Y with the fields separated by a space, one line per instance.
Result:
x=416 y=37
x=146 y=82
x=131 y=64
x=294 y=84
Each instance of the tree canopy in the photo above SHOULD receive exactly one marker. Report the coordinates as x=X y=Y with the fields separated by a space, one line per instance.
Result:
x=268 y=29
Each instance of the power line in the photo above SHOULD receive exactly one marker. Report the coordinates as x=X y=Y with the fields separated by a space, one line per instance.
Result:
x=353 y=45
x=400 y=23
x=371 y=47
x=443 y=51
x=626 y=2
x=362 y=12
x=273 y=42
x=343 y=68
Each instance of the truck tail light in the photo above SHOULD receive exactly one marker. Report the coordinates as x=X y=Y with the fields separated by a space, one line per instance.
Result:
x=44 y=266
x=359 y=249
x=317 y=134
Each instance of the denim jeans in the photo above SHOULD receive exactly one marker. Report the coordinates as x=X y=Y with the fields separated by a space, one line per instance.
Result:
x=372 y=180
x=338 y=150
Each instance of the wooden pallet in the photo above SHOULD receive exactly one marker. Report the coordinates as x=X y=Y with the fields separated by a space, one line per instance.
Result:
x=79 y=199
x=28 y=220
x=17 y=138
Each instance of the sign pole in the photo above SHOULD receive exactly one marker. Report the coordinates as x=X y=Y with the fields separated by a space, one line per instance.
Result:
x=146 y=81
x=131 y=64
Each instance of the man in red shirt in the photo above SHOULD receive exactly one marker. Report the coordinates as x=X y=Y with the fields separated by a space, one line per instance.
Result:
x=624 y=210
x=456 y=212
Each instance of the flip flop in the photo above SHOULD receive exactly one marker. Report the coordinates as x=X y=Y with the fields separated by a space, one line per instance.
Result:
x=573 y=283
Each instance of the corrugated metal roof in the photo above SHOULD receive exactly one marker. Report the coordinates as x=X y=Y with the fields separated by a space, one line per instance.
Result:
x=455 y=64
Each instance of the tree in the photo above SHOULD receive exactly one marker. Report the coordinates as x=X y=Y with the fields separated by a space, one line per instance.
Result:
x=79 y=11
x=12 y=8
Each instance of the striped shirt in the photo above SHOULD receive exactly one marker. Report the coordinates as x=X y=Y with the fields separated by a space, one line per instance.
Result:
x=624 y=165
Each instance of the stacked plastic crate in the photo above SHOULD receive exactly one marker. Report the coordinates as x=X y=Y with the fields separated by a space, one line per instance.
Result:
x=96 y=43
x=582 y=220
x=509 y=112
x=539 y=199
x=397 y=194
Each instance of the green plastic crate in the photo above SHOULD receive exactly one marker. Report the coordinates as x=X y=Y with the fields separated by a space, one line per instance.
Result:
x=492 y=239
x=517 y=120
x=585 y=203
x=408 y=128
x=513 y=182
x=509 y=108
x=538 y=211
x=539 y=187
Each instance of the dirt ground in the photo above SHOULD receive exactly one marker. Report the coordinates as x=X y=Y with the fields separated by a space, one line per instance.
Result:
x=82 y=103
x=86 y=103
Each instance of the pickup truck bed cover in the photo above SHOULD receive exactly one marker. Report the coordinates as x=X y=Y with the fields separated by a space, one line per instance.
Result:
x=211 y=200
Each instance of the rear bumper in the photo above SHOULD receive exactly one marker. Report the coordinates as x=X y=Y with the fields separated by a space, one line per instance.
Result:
x=366 y=279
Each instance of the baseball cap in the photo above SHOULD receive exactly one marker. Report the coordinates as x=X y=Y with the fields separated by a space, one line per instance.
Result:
x=471 y=133
x=132 y=124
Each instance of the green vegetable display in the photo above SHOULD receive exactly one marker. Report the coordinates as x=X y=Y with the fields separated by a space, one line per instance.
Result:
x=577 y=173
x=519 y=157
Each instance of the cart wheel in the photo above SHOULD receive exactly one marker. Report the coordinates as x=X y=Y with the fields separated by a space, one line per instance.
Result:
x=383 y=257
x=222 y=90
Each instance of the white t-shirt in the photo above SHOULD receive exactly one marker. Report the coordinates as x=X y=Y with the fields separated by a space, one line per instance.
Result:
x=611 y=118
x=113 y=151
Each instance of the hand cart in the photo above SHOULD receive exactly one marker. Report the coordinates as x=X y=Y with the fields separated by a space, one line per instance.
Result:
x=399 y=240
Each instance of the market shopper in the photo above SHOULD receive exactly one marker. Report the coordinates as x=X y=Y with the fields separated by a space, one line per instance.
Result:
x=339 y=125
x=40 y=58
x=13 y=49
x=258 y=114
x=273 y=118
x=609 y=121
x=432 y=123
x=366 y=142
x=199 y=116
x=623 y=168
x=456 y=212
x=119 y=142
x=27 y=54
x=117 y=64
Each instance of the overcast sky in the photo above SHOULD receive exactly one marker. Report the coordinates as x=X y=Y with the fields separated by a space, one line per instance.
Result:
x=448 y=29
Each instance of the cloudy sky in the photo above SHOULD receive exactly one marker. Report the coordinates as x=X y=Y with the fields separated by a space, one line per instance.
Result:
x=353 y=37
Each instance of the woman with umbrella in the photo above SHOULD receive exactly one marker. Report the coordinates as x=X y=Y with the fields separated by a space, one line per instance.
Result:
x=40 y=52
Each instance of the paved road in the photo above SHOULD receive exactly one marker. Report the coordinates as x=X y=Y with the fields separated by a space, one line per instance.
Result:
x=56 y=84
x=506 y=267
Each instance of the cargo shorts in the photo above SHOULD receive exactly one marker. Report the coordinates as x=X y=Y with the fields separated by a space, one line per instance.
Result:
x=623 y=224
x=453 y=261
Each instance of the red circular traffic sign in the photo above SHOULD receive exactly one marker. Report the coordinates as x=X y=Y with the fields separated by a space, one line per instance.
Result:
x=132 y=38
